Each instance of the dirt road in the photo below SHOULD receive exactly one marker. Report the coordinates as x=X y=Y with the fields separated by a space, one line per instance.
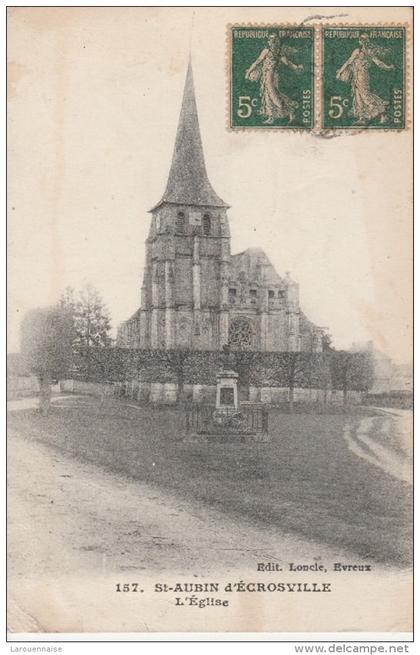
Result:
x=96 y=520
x=76 y=530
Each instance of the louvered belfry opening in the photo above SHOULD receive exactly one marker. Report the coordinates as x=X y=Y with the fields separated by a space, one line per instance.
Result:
x=180 y=222
x=206 y=224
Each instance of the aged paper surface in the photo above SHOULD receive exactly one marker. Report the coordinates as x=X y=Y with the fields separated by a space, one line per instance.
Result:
x=229 y=449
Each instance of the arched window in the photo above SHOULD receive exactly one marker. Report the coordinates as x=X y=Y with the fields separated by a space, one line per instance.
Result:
x=206 y=224
x=180 y=222
x=240 y=334
x=232 y=296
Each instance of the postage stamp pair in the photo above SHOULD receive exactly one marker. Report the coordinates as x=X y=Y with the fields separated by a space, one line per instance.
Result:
x=334 y=77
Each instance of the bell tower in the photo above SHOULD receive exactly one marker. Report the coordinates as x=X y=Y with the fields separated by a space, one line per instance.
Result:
x=185 y=287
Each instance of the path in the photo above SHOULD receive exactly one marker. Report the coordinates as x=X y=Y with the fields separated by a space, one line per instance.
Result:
x=76 y=530
x=384 y=441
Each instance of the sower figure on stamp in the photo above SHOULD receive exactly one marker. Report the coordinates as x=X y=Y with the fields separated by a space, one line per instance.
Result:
x=366 y=105
x=274 y=104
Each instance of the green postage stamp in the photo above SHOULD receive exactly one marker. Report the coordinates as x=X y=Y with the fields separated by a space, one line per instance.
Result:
x=317 y=78
x=363 y=77
x=271 y=77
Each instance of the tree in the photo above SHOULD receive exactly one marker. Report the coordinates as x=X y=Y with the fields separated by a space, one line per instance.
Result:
x=67 y=300
x=176 y=360
x=244 y=362
x=351 y=371
x=321 y=377
x=47 y=336
x=292 y=367
x=92 y=325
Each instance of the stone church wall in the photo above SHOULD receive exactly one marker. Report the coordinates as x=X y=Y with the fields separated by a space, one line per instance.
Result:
x=183 y=281
x=276 y=332
x=210 y=283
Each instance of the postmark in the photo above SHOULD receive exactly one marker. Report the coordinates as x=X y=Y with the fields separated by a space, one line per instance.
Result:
x=363 y=73
x=271 y=77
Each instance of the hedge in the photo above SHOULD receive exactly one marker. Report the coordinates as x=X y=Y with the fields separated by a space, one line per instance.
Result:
x=334 y=369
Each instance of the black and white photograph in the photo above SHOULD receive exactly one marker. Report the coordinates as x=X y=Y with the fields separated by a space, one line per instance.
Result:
x=209 y=366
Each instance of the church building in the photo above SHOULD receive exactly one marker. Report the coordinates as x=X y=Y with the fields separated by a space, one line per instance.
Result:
x=195 y=293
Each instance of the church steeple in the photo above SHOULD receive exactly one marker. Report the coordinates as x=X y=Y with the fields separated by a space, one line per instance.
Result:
x=188 y=183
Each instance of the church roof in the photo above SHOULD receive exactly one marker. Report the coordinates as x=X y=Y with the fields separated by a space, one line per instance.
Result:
x=253 y=262
x=188 y=183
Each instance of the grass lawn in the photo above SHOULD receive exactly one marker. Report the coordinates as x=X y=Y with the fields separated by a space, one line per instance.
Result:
x=304 y=481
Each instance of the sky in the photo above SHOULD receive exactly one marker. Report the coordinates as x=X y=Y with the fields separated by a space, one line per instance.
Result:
x=94 y=98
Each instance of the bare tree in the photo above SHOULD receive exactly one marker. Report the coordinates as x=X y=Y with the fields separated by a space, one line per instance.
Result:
x=68 y=300
x=244 y=361
x=292 y=367
x=323 y=374
x=351 y=371
x=175 y=360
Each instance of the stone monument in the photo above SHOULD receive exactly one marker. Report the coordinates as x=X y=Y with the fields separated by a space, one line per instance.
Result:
x=227 y=391
x=227 y=421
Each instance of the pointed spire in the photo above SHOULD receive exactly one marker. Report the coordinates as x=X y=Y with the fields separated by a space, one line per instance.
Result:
x=188 y=183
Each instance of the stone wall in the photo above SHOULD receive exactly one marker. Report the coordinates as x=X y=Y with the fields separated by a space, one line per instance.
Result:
x=19 y=386
x=166 y=393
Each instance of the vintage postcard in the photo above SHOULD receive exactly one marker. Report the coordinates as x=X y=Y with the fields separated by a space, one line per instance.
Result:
x=210 y=322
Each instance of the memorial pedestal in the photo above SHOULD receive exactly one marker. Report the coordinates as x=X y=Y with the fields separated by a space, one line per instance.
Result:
x=227 y=391
x=227 y=422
